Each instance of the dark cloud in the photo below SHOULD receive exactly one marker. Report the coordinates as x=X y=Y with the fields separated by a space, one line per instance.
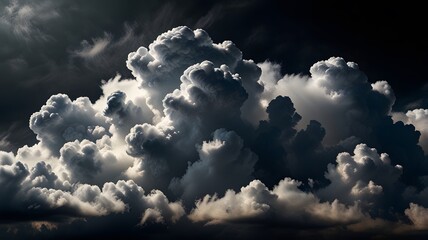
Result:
x=12 y=175
x=203 y=136
x=272 y=136
x=39 y=58
x=223 y=164
x=418 y=118
x=38 y=54
x=339 y=96
x=417 y=215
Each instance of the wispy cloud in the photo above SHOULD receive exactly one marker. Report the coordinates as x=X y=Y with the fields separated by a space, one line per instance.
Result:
x=25 y=18
x=95 y=47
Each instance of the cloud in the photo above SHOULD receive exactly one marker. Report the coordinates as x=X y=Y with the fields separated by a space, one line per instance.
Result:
x=212 y=96
x=144 y=139
x=286 y=203
x=154 y=156
x=62 y=120
x=104 y=53
x=350 y=109
x=418 y=215
x=209 y=98
x=419 y=119
x=42 y=176
x=25 y=18
x=12 y=174
x=125 y=114
x=203 y=133
x=271 y=136
x=159 y=67
x=40 y=195
x=337 y=94
x=93 y=163
x=5 y=144
x=356 y=178
x=223 y=164
x=98 y=45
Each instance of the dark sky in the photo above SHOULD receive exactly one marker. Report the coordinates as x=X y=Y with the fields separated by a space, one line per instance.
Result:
x=213 y=119
x=37 y=56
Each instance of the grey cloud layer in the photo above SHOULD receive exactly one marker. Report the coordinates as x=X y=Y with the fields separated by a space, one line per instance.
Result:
x=203 y=136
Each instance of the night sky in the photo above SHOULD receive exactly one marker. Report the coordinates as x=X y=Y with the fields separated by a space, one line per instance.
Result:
x=213 y=119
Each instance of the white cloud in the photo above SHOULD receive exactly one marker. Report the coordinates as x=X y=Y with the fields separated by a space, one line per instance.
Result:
x=356 y=177
x=94 y=163
x=419 y=119
x=337 y=94
x=62 y=120
x=418 y=215
x=286 y=203
x=159 y=67
x=209 y=98
x=40 y=191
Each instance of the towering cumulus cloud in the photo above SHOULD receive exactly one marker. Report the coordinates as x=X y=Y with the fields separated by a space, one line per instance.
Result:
x=203 y=143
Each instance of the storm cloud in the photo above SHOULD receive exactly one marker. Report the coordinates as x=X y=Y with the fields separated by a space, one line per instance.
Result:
x=201 y=137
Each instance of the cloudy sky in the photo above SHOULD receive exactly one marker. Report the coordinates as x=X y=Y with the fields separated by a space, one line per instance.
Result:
x=190 y=119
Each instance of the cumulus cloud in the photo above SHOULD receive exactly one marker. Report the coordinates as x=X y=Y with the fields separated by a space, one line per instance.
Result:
x=356 y=178
x=12 y=174
x=195 y=128
x=286 y=203
x=271 y=137
x=159 y=67
x=223 y=164
x=209 y=98
x=337 y=94
x=419 y=119
x=123 y=102
x=418 y=215
x=124 y=114
x=36 y=195
x=62 y=120
x=93 y=163
x=157 y=159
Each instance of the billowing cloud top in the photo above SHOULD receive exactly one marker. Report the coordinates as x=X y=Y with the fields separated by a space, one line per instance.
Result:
x=204 y=136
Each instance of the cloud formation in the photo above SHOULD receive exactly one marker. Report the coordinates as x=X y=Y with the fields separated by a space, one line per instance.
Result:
x=223 y=164
x=286 y=203
x=160 y=67
x=419 y=119
x=38 y=194
x=337 y=94
x=62 y=120
x=201 y=135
